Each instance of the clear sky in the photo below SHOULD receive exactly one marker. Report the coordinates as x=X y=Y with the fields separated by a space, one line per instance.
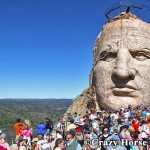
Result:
x=46 y=46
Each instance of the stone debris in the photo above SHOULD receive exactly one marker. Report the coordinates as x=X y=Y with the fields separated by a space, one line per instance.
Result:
x=83 y=102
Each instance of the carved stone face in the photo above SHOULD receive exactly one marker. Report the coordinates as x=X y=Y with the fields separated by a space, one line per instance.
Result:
x=121 y=72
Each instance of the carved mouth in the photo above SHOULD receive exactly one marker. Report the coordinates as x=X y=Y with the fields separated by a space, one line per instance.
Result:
x=125 y=92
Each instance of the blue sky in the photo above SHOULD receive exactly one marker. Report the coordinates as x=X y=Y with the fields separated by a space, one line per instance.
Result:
x=47 y=45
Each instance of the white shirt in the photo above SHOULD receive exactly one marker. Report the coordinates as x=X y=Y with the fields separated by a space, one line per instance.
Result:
x=126 y=115
x=144 y=131
x=58 y=148
x=115 y=116
x=71 y=126
x=95 y=125
x=43 y=144
x=92 y=117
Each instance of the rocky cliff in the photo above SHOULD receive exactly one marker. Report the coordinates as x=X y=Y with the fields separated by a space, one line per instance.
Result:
x=83 y=102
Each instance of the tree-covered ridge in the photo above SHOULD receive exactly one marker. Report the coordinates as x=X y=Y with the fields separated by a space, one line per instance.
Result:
x=35 y=110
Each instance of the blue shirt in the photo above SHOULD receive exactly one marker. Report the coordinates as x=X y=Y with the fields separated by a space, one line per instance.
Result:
x=128 y=123
x=41 y=129
x=143 y=114
x=76 y=119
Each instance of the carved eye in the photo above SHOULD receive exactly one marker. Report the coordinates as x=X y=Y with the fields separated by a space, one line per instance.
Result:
x=107 y=56
x=141 y=56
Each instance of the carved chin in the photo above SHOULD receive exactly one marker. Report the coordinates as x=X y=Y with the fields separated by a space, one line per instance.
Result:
x=116 y=102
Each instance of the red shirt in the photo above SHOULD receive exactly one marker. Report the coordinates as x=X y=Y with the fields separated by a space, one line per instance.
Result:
x=136 y=126
x=78 y=130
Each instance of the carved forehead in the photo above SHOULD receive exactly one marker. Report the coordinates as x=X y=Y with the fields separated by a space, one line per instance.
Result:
x=131 y=33
x=126 y=41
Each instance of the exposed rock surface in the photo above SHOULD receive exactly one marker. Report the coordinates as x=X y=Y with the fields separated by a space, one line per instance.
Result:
x=122 y=63
x=121 y=66
x=86 y=100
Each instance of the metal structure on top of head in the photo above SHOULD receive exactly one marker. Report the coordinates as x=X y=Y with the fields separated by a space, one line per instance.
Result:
x=137 y=9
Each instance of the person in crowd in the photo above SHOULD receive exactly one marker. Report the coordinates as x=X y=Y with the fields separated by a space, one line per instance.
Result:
x=114 y=126
x=2 y=148
x=26 y=132
x=59 y=144
x=59 y=128
x=144 y=111
x=48 y=141
x=79 y=131
x=114 y=116
x=41 y=128
x=76 y=117
x=72 y=125
x=69 y=117
x=79 y=128
x=86 y=126
x=126 y=114
x=63 y=128
x=114 y=137
x=148 y=113
x=105 y=134
x=148 y=144
x=3 y=142
x=87 y=114
x=96 y=127
x=93 y=114
x=49 y=126
x=135 y=138
x=40 y=142
x=43 y=144
x=148 y=123
x=128 y=121
x=23 y=144
x=34 y=144
x=138 y=112
x=135 y=124
x=143 y=130
x=132 y=112
x=17 y=129
x=72 y=144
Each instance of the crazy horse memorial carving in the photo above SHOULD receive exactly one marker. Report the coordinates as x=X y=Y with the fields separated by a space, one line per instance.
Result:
x=121 y=71
x=121 y=66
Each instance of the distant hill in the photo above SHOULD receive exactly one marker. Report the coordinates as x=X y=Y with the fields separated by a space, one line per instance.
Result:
x=35 y=110
x=31 y=99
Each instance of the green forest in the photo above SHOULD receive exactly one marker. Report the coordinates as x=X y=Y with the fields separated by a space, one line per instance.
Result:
x=35 y=110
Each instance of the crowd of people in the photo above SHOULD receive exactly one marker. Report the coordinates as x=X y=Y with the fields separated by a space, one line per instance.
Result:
x=128 y=127
x=123 y=129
